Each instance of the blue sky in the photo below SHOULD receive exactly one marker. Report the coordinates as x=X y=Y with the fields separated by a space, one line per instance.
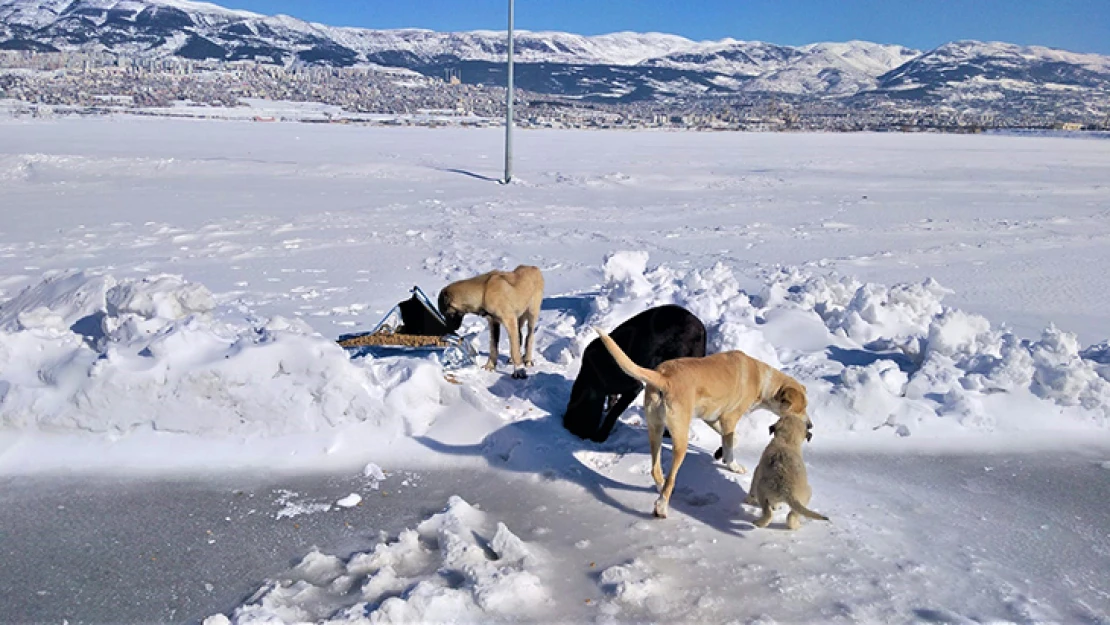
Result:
x=1079 y=25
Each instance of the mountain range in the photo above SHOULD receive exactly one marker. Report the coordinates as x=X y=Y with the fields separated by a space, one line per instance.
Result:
x=618 y=67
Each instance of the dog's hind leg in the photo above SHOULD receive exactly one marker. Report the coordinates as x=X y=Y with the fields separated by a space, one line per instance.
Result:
x=512 y=328
x=679 y=440
x=753 y=497
x=530 y=318
x=793 y=520
x=765 y=519
x=655 y=439
x=494 y=339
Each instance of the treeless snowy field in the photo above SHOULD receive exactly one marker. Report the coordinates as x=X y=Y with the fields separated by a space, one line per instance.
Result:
x=170 y=291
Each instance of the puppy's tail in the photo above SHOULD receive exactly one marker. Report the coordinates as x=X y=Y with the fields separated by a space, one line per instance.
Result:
x=647 y=376
x=796 y=506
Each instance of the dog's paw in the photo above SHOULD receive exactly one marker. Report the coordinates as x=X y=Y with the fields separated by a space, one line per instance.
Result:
x=520 y=374
x=750 y=501
x=661 y=508
x=490 y=366
x=736 y=467
x=529 y=363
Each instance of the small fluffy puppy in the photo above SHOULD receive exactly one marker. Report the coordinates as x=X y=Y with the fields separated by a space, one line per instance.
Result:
x=505 y=298
x=781 y=475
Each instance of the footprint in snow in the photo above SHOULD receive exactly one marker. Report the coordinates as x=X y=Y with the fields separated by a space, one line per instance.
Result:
x=702 y=499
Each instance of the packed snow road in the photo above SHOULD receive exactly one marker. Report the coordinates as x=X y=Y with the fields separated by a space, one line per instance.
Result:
x=927 y=538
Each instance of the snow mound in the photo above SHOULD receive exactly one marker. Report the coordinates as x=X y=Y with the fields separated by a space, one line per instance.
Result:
x=635 y=585
x=451 y=568
x=82 y=352
x=88 y=352
x=874 y=356
x=861 y=312
x=713 y=294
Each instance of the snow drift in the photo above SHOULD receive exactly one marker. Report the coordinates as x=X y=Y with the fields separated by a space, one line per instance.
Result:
x=455 y=567
x=90 y=352
x=874 y=356
x=84 y=352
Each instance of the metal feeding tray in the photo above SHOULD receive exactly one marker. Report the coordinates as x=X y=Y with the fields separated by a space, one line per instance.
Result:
x=414 y=324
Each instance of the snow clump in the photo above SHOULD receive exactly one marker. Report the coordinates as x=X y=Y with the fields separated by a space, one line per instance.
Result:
x=451 y=568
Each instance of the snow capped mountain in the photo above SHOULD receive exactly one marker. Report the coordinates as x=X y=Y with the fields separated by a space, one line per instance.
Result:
x=41 y=13
x=976 y=63
x=834 y=69
x=736 y=58
x=616 y=67
x=52 y=21
x=530 y=47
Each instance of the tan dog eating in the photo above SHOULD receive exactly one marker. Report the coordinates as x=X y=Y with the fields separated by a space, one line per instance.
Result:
x=719 y=389
x=781 y=475
x=505 y=298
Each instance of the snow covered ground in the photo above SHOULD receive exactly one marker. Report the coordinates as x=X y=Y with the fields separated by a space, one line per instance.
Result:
x=170 y=291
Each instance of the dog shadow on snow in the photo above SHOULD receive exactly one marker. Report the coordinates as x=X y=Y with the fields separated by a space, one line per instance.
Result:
x=541 y=447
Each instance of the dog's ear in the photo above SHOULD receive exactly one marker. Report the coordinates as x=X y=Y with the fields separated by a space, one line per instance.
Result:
x=792 y=397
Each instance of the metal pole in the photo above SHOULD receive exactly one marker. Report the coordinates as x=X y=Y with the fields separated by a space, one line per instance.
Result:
x=509 y=106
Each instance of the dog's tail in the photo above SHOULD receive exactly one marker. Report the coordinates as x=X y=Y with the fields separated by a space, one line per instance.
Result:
x=797 y=506
x=647 y=376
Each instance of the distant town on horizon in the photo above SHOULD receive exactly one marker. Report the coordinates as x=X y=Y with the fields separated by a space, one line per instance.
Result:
x=145 y=56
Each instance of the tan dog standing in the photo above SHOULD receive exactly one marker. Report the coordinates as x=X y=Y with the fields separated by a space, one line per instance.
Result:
x=781 y=475
x=506 y=298
x=720 y=389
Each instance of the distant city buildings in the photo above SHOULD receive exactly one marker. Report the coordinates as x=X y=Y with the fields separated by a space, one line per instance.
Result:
x=99 y=82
